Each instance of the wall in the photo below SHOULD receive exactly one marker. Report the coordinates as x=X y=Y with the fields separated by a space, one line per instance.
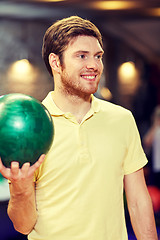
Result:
x=18 y=40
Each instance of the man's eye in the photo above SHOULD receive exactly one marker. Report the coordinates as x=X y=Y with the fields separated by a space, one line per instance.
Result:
x=99 y=57
x=82 y=56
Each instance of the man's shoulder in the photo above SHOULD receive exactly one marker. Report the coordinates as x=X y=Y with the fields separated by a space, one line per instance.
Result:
x=112 y=108
x=115 y=113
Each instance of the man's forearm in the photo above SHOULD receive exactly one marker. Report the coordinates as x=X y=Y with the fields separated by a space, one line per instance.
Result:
x=22 y=204
x=143 y=223
x=22 y=210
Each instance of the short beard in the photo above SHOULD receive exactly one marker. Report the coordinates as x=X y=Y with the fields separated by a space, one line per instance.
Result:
x=73 y=90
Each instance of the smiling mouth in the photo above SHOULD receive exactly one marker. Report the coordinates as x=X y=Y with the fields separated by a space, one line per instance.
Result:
x=89 y=77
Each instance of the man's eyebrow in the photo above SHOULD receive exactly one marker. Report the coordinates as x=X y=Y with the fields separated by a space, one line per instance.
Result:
x=100 y=52
x=83 y=51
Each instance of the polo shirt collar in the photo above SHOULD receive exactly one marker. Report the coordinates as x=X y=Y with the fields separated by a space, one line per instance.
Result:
x=55 y=111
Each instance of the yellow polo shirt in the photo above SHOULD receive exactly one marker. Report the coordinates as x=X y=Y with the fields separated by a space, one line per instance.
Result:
x=79 y=187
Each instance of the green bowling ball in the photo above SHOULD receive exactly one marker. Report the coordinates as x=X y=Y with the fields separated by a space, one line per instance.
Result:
x=26 y=129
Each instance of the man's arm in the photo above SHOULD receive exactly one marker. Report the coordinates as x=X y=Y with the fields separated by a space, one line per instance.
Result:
x=140 y=206
x=22 y=209
x=22 y=204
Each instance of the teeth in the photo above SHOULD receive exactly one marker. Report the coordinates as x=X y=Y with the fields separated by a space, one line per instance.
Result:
x=89 y=77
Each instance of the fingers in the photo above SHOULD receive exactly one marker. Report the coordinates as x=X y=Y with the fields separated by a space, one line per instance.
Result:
x=41 y=159
x=1 y=166
x=15 y=173
x=3 y=170
x=14 y=167
x=37 y=164
x=25 y=166
x=10 y=173
x=25 y=169
x=19 y=175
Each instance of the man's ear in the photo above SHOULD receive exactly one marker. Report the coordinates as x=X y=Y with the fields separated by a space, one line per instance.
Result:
x=54 y=62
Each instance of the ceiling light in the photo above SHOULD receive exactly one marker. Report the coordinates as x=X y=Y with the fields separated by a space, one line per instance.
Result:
x=128 y=77
x=22 y=71
x=114 y=5
x=51 y=0
x=155 y=12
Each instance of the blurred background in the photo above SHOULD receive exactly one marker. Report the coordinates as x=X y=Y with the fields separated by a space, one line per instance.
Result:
x=131 y=78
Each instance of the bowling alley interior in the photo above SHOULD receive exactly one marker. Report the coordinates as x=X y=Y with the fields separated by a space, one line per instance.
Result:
x=131 y=76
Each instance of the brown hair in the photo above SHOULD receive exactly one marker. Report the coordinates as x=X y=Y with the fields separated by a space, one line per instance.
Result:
x=59 y=34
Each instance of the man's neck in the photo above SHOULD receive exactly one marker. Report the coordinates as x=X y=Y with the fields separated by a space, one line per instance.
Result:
x=78 y=106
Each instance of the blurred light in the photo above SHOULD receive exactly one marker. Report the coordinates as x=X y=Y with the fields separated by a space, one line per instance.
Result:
x=21 y=71
x=105 y=93
x=128 y=77
x=127 y=71
x=21 y=67
x=153 y=12
x=51 y=0
x=114 y=5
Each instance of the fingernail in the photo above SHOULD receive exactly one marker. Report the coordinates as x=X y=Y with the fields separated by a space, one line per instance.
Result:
x=14 y=164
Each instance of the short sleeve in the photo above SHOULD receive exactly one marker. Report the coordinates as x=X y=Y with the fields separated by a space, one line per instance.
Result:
x=135 y=158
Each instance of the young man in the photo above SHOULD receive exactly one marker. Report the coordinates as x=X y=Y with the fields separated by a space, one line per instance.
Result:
x=76 y=191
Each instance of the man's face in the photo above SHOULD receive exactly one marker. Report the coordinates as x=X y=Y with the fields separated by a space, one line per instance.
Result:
x=82 y=66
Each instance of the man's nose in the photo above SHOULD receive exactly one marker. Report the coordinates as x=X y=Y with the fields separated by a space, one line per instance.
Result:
x=92 y=63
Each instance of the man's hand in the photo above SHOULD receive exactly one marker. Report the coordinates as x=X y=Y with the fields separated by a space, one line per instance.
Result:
x=20 y=177
x=22 y=204
x=15 y=173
